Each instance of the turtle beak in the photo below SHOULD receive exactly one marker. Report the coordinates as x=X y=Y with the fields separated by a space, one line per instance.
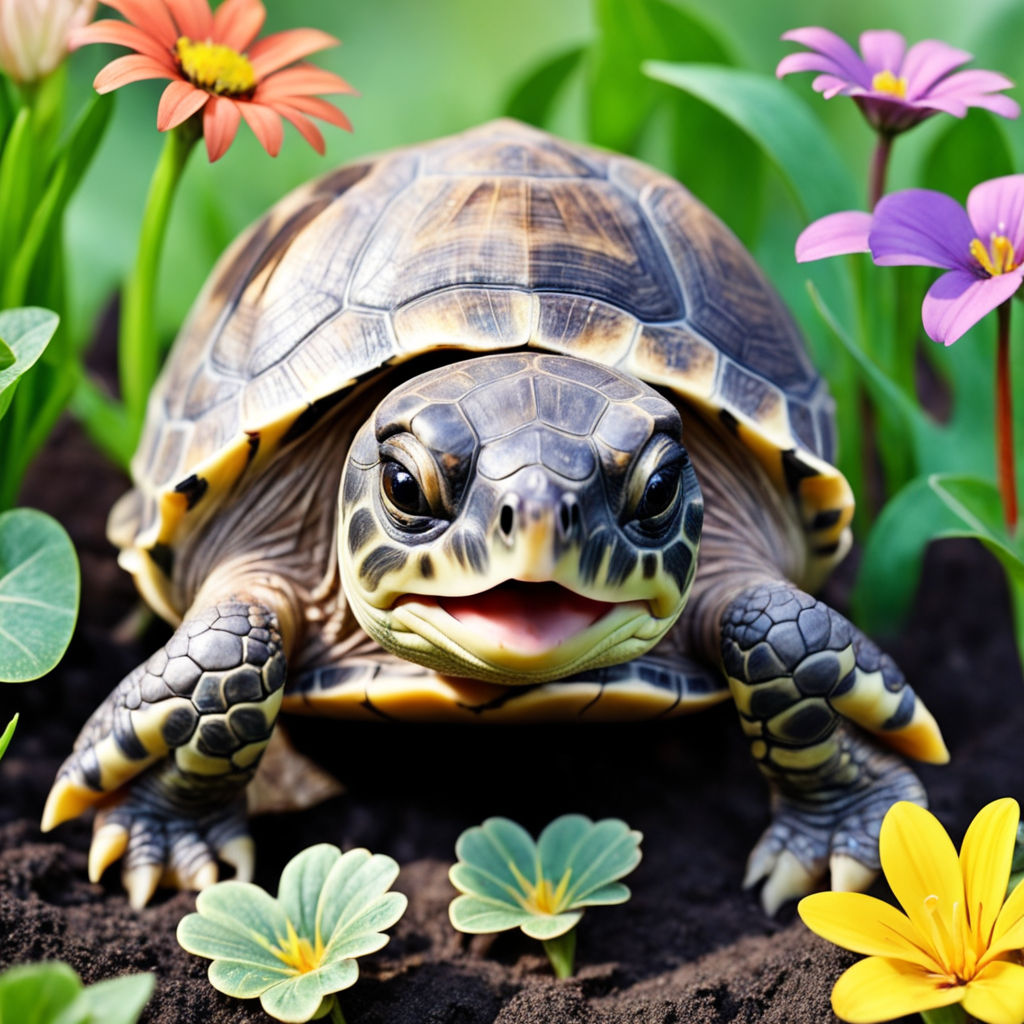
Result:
x=537 y=530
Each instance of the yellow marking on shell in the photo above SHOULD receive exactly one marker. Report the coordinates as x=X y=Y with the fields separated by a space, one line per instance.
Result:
x=475 y=319
x=888 y=83
x=189 y=759
x=752 y=726
x=758 y=749
x=116 y=768
x=583 y=326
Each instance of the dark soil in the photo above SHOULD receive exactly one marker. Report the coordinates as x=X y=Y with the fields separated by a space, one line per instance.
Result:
x=690 y=946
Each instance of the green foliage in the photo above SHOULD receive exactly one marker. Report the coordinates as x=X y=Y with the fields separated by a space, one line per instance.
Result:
x=295 y=952
x=51 y=993
x=507 y=880
x=1017 y=865
x=5 y=738
x=24 y=334
x=38 y=594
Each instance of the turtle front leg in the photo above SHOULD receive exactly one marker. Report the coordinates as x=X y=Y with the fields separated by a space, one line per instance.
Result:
x=800 y=674
x=168 y=754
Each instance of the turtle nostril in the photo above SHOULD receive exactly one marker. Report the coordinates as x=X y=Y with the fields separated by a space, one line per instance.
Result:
x=568 y=517
x=507 y=520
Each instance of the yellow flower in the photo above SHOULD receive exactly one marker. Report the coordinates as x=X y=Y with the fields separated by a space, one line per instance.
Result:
x=960 y=937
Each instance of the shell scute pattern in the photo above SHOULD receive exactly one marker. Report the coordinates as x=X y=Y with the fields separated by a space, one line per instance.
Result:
x=488 y=241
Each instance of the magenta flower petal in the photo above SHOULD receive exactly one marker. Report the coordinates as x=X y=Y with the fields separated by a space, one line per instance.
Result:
x=838 y=51
x=959 y=299
x=882 y=50
x=926 y=71
x=927 y=62
x=921 y=228
x=834 y=235
x=996 y=207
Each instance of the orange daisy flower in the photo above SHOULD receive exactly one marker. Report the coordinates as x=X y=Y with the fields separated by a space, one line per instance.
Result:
x=217 y=66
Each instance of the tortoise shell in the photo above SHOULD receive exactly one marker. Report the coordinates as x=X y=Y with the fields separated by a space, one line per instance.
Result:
x=494 y=239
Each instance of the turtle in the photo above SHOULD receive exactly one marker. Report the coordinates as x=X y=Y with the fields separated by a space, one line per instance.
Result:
x=441 y=439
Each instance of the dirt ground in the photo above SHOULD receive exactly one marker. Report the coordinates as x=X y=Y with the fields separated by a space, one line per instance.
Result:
x=689 y=947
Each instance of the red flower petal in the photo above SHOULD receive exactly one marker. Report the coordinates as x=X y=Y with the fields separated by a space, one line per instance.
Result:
x=236 y=23
x=120 y=33
x=322 y=109
x=265 y=124
x=151 y=16
x=306 y=128
x=276 y=51
x=220 y=125
x=180 y=100
x=193 y=17
x=304 y=80
x=136 y=67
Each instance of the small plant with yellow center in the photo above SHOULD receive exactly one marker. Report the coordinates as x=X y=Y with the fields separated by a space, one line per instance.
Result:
x=955 y=950
x=508 y=880
x=295 y=952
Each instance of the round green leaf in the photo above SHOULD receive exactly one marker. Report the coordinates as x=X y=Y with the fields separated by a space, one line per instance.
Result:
x=36 y=993
x=477 y=916
x=302 y=882
x=298 y=999
x=39 y=589
x=551 y=926
x=25 y=332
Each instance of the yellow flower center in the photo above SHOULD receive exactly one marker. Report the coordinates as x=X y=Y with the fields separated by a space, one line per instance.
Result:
x=886 y=81
x=998 y=258
x=216 y=68
x=298 y=952
x=958 y=949
x=542 y=897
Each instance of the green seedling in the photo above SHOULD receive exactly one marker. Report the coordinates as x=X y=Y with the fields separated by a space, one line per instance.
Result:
x=295 y=952
x=507 y=880
x=51 y=993
x=5 y=739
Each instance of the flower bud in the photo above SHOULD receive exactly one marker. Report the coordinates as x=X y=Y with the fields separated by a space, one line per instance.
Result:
x=34 y=34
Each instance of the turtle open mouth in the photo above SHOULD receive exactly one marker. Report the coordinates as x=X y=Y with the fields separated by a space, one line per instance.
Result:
x=526 y=617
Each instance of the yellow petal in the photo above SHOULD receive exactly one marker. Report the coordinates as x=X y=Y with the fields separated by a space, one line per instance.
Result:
x=921 y=864
x=1008 y=932
x=879 y=989
x=996 y=994
x=865 y=925
x=985 y=861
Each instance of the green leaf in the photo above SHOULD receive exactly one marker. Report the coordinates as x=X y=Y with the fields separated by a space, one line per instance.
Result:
x=610 y=850
x=477 y=916
x=302 y=882
x=17 y=167
x=5 y=739
x=213 y=937
x=106 y=420
x=550 y=926
x=298 y=999
x=780 y=123
x=39 y=587
x=502 y=849
x=968 y=150
x=114 y=1001
x=6 y=355
x=36 y=993
x=240 y=911
x=533 y=97
x=930 y=508
x=25 y=332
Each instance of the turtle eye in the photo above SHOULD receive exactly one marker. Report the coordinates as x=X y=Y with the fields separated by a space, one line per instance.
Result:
x=403 y=490
x=660 y=491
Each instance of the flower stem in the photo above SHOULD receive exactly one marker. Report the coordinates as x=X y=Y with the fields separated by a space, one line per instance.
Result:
x=1004 y=421
x=337 y=1017
x=879 y=170
x=561 y=951
x=138 y=357
x=946 y=1015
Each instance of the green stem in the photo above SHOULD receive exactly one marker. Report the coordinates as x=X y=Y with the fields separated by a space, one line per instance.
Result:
x=337 y=1017
x=879 y=170
x=561 y=951
x=138 y=355
x=1004 y=421
x=954 y=1014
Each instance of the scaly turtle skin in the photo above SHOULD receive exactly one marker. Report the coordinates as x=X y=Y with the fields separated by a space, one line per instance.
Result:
x=407 y=460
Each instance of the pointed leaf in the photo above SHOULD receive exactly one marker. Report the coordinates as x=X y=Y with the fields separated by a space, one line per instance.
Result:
x=39 y=589
x=5 y=739
x=534 y=95
x=26 y=332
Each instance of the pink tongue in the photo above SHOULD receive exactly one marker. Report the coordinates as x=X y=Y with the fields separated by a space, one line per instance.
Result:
x=526 y=617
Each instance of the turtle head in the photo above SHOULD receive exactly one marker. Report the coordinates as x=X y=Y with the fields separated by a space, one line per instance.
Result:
x=519 y=518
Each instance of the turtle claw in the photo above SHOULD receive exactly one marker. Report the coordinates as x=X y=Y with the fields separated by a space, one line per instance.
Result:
x=239 y=853
x=788 y=880
x=850 y=875
x=109 y=842
x=140 y=883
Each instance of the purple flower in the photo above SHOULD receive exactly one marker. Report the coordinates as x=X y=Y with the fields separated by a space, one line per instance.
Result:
x=982 y=247
x=894 y=87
